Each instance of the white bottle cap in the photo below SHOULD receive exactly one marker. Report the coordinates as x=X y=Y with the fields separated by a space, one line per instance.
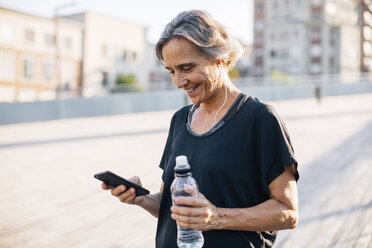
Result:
x=180 y=160
x=182 y=166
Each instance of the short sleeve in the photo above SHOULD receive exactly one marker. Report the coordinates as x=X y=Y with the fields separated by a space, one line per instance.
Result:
x=272 y=146
x=167 y=148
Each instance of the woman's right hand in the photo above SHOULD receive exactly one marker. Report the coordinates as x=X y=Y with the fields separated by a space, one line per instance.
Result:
x=124 y=195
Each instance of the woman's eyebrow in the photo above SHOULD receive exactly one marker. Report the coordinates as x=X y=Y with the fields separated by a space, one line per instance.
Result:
x=181 y=65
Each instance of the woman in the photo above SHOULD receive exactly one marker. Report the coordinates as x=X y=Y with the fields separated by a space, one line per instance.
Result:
x=238 y=148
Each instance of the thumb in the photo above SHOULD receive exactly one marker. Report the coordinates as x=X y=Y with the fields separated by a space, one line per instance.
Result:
x=136 y=180
x=192 y=191
x=202 y=196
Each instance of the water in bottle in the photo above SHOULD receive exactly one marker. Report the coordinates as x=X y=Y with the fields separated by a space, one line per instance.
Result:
x=186 y=237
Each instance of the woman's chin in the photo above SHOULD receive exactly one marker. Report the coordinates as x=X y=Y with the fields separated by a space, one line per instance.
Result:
x=194 y=100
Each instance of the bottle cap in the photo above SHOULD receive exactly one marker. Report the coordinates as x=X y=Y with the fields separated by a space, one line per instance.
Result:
x=182 y=166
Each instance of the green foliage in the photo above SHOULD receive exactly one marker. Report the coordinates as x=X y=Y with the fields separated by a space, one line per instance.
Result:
x=126 y=83
x=125 y=79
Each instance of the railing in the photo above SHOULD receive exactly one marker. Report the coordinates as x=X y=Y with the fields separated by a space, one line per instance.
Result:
x=283 y=79
x=275 y=80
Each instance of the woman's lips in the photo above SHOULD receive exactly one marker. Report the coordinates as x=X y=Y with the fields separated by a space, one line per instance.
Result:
x=191 y=90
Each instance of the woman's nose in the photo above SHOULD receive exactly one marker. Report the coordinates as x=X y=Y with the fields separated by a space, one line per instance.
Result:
x=179 y=81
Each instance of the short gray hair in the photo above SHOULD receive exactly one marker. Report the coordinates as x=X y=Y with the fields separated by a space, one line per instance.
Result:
x=208 y=35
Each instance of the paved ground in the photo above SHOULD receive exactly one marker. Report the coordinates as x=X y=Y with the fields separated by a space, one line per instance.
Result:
x=49 y=197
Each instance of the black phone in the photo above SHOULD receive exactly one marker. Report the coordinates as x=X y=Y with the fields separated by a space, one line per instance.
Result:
x=114 y=180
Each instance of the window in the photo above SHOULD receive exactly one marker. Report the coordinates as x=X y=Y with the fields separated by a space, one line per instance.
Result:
x=316 y=13
x=275 y=5
x=104 y=51
x=125 y=54
x=367 y=33
x=104 y=78
x=28 y=68
x=316 y=68
x=284 y=36
x=316 y=35
x=367 y=48
x=48 y=71
x=50 y=39
x=68 y=43
x=259 y=7
x=7 y=66
x=6 y=32
x=273 y=53
x=315 y=50
x=134 y=56
x=316 y=2
x=259 y=52
x=284 y=54
x=287 y=4
x=29 y=35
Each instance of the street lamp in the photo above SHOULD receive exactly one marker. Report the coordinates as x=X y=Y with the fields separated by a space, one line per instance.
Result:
x=57 y=67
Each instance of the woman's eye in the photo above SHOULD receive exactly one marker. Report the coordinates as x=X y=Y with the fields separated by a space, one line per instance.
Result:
x=171 y=72
x=187 y=68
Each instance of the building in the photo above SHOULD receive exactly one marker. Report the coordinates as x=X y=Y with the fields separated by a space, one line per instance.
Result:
x=365 y=21
x=76 y=55
x=32 y=67
x=112 y=47
x=159 y=78
x=299 y=37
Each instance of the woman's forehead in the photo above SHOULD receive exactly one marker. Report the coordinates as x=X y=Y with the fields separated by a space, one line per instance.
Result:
x=180 y=51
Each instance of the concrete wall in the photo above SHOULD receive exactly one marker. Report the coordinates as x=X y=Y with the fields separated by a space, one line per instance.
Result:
x=153 y=101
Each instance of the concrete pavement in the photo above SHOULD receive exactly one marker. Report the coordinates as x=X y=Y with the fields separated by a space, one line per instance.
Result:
x=49 y=197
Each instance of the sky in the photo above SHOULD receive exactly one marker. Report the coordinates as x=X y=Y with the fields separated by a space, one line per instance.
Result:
x=236 y=15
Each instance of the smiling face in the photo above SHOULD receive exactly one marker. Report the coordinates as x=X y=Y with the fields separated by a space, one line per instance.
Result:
x=192 y=71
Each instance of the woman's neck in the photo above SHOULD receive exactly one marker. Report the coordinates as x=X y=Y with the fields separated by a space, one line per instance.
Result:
x=228 y=91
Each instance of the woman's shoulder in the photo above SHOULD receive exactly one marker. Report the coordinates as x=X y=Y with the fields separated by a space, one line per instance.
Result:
x=254 y=106
x=181 y=114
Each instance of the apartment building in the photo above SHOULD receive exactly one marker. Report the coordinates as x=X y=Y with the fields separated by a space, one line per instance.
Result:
x=306 y=37
x=365 y=21
x=32 y=66
x=111 y=47
x=80 y=54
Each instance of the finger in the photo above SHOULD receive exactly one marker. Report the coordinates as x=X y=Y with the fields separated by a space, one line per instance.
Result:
x=189 y=189
x=118 y=190
x=191 y=201
x=197 y=226
x=106 y=187
x=127 y=196
x=187 y=211
x=202 y=196
x=187 y=219
x=136 y=180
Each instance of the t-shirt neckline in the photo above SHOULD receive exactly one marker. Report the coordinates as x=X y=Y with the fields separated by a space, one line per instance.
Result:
x=238 y=103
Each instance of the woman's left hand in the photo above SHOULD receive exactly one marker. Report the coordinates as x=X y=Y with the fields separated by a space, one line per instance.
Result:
x=202 y=215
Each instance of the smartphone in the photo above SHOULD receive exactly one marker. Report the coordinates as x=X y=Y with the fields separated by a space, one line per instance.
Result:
x=114 y=180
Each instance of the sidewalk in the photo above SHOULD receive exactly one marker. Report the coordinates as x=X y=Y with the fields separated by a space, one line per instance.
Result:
x=50 y=199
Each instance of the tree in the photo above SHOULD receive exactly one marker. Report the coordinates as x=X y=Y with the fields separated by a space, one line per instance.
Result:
x=126 y=83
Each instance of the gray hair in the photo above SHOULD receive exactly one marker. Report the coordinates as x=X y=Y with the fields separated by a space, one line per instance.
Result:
x=208 y=35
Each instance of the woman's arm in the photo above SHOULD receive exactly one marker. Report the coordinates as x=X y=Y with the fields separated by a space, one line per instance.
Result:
x=151 y=203
x=279 y=212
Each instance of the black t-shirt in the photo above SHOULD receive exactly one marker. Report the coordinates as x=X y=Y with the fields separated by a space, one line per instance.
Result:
x=233 y=166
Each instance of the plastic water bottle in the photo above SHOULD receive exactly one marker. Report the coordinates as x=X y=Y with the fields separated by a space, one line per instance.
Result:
x=186 y=237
